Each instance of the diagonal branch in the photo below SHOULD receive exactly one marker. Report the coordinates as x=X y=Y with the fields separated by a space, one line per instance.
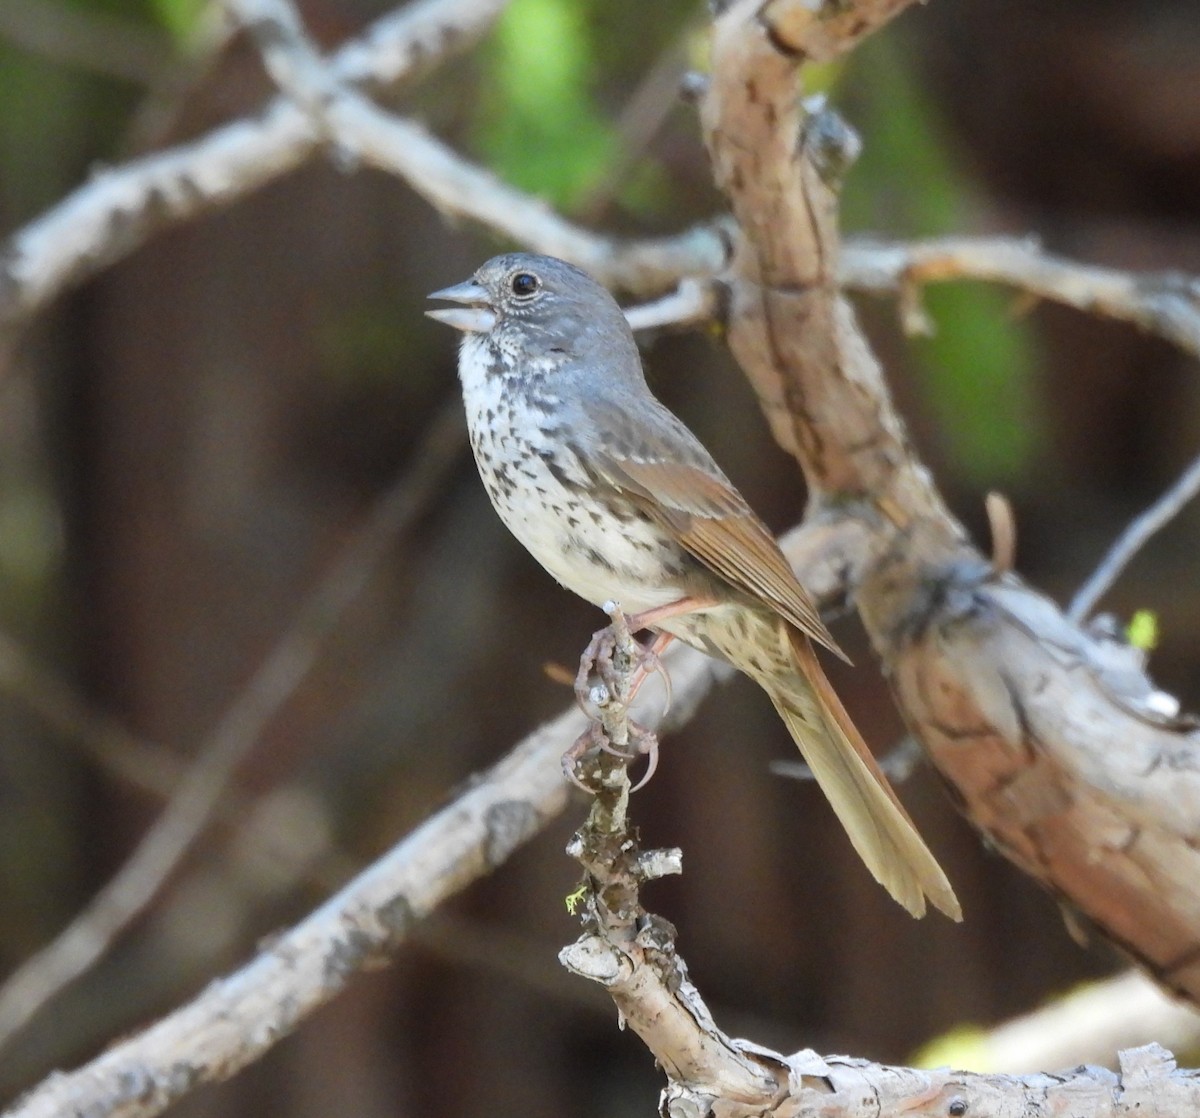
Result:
x=238 y=1019
x=1133 y=539
x=235 y=1020
x=119 y=208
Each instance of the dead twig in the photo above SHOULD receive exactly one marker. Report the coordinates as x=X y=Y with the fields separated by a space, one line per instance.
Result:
x=632 y=954
x=1133 y=539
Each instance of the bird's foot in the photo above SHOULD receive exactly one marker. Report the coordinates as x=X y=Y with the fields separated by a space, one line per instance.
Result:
x=644 y=741
x=622 y=664
x=621 y=661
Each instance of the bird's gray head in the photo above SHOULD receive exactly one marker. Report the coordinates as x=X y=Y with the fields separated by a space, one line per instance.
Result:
x=537 y=306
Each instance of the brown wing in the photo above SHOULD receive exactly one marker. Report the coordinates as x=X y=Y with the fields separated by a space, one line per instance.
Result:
x=713 y=522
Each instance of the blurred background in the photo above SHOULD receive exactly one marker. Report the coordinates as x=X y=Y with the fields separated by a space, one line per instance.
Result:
x=189 y=442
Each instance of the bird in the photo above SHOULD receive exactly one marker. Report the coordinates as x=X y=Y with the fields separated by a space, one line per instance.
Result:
x=620 y=502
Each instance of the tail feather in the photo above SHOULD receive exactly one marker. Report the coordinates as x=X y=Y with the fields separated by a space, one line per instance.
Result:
x=878 y=826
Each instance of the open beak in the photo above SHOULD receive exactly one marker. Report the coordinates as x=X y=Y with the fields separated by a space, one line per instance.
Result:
x=475 y=316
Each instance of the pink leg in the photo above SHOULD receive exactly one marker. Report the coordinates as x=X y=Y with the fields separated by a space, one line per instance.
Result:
x=649 y=618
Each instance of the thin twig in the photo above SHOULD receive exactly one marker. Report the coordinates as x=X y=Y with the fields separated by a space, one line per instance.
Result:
x=143 y=764
x=234 y=1020
x=356 y=125
x=458 y=188
x=692 y=303
x=192 y=807
x=153 y=768
x=1133 y=539
x=1003 y=523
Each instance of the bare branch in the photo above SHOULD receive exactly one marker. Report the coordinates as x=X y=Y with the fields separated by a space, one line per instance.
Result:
x=710 y=1073
x=262 y=833
x=235 y=1020
x=192 y=806
x=457 y=188
x=1003 y=525
x=632 y=954
x=143 y=764
x=1133 y=539
x=238 y=1018
x=1166 y=304
x=113 y=214
x=450 y=183
x=291 y=57
x=1055 y=759
x=643 y=115
x=819 y=32
x=121 y=207
x=693 y=303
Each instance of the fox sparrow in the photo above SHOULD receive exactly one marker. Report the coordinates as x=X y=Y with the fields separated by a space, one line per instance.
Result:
x=618 y=500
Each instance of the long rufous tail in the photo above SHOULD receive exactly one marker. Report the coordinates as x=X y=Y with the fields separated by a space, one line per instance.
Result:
x=878 y=826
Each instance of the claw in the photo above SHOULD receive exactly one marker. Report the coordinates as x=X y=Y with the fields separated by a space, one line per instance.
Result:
x=669 y=693
x=591 y=736
x=651 y=768
x=647 y=744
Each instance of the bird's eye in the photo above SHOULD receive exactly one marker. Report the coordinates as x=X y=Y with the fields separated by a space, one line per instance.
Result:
x=524 y=284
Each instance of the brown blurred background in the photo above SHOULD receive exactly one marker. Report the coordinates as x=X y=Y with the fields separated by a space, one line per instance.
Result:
x=187 y=442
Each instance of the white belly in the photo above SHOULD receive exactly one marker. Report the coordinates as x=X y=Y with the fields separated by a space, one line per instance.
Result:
x=599 y=562
x=596 y=556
